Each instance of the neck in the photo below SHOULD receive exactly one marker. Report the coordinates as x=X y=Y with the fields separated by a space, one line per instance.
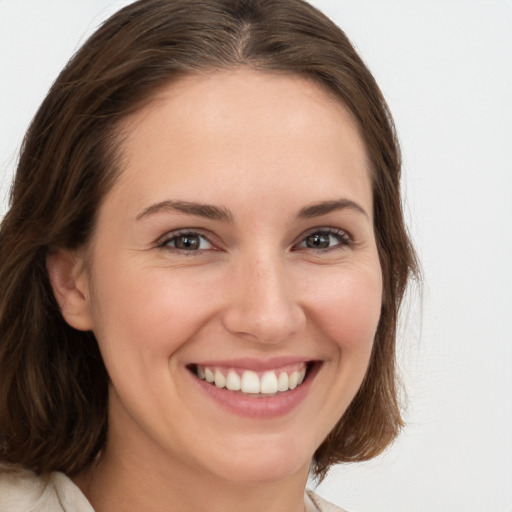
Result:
x=155 y=483
x=110 y=485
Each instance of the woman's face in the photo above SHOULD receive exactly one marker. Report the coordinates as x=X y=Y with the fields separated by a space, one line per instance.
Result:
x=237 y=245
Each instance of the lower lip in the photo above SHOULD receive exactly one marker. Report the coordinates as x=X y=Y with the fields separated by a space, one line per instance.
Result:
x=258 y=407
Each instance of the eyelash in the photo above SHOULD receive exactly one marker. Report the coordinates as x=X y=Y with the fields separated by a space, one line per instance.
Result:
x=165 y=243
x=344 y=240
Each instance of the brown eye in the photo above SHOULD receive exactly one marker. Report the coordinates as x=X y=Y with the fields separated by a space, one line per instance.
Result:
x=318 y=240
x=188 y=242
x=326 y=239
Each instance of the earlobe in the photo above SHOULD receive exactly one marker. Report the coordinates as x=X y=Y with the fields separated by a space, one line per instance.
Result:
x=70 y=287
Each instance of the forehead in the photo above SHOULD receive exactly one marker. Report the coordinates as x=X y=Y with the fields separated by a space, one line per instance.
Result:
x=244 y=128
x=264 y=100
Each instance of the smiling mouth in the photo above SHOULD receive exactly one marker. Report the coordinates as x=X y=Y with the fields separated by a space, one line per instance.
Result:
x=252 y=383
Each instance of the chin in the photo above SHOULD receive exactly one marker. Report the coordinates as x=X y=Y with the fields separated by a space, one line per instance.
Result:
x=259 y=472
x=262 y=461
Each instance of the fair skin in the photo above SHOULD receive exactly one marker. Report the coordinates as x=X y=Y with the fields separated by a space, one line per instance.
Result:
x=277 y=274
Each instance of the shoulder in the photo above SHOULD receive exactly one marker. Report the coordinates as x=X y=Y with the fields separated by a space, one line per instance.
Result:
x=24 y=491
x=320 y=504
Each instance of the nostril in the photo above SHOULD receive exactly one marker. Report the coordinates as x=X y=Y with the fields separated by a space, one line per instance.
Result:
x=266 y=325
x=262 y=305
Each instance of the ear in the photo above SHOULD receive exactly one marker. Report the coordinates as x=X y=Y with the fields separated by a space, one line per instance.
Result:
x=70 y=287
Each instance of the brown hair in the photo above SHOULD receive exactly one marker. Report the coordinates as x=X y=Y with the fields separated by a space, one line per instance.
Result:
x=53 y=384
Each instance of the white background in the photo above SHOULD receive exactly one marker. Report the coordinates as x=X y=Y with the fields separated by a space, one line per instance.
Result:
x=445 y=67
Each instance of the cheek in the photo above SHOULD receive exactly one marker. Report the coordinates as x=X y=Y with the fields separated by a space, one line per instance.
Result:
x=148 y=315
x=349 y=308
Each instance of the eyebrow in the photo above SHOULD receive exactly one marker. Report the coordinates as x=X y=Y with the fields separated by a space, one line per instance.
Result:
x=325 y=207
x=207 y=211
x=212 y=212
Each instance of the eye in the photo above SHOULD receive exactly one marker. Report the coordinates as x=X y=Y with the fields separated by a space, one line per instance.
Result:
x=188 y=241
x=325 y=239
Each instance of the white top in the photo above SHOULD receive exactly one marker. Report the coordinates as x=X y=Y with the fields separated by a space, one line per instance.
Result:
x=23 y=491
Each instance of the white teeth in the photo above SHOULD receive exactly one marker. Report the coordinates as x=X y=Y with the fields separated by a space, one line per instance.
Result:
x=293 y=380
x=269 y=383
x=208 y=374
x=220 y=380
x=282 y=383
x=250 y=382
x=233 y=382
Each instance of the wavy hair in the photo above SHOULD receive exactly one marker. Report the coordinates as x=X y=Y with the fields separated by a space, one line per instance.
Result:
x=53 y=384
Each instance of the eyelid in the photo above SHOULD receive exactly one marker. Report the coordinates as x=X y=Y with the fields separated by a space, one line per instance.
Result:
x=162 y=241
x=347 y=240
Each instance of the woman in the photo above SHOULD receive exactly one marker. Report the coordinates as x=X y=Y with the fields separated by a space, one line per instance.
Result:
x=201 y=266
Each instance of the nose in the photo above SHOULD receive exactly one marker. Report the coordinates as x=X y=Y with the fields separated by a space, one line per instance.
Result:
x=263 y=304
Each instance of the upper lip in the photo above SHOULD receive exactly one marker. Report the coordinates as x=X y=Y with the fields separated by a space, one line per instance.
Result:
x=256 y=364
